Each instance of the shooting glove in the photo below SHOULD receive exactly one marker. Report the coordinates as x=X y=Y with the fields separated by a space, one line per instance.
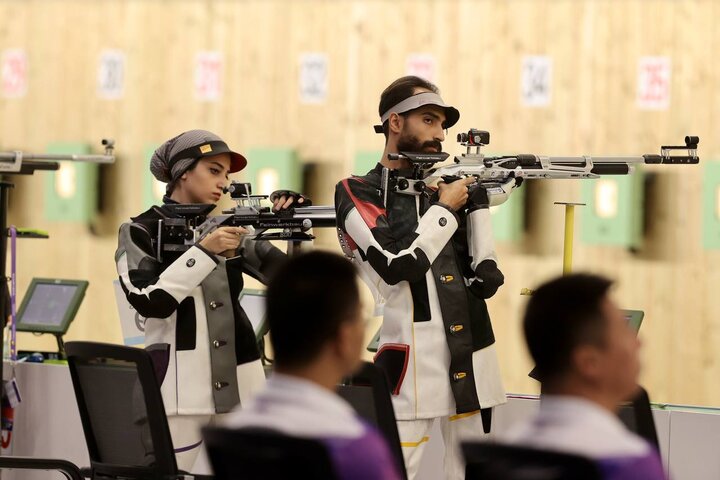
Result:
x=295 y=196
x=488 y=279
x=490 y=194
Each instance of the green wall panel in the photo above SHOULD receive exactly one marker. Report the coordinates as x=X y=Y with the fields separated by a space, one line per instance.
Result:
x=366 y=161
x=711 y=202
x=278 y=167
x=78 y=203
x=508 y=219
x=150 y=194
x=621 y=225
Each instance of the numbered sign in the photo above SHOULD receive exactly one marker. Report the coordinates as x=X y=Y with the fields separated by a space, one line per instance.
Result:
x=14 y=73
x=208 y=76
x=536 y=81
x=421 y=65
x=653 y=83
x=111 y=75
x=313 y=77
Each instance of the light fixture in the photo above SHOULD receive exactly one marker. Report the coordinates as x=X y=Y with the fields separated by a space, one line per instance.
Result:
x=268 y=180
x=158 y=189
x=606 y=198
x=66 y=180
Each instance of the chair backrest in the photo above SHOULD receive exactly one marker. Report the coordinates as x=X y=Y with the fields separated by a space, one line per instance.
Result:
x=121 y=410
x=637 y=417
x=368 y=391
x=492 y=461
x=262 y=454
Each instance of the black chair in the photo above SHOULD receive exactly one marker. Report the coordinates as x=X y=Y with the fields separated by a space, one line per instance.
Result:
x=122 y=412
x=492 y=461
x=637 y=417
x=368 y=391
x=68 y=469
x=262 y=454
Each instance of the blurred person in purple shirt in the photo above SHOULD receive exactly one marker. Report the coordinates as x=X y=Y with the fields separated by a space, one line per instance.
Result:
x=317 y=333
x=587 y=359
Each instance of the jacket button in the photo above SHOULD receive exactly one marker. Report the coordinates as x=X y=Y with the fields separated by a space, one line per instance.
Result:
x=456 y=327
x=219 y=343
x=220 y=385
x=215 y=305
x=190 y=262
x=459 y=376
x=446 y=278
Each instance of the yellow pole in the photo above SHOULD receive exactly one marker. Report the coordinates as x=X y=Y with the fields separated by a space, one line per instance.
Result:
x=569 y=231
x=568 y=243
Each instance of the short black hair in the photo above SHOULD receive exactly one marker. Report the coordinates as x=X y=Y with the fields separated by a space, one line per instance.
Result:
x=308 y=298
x=399 y=90
x=562 y=315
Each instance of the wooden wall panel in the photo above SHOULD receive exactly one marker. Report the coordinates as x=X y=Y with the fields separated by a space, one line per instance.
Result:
x=478 y=44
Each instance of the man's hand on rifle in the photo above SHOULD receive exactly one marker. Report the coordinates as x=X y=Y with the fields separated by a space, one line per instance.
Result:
x=284 y=199
x=455 y=194
x=224 y=241
x=490 y=194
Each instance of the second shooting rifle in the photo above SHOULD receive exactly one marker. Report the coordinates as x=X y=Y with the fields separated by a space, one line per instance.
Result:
x=495 y=174
x=192 y=223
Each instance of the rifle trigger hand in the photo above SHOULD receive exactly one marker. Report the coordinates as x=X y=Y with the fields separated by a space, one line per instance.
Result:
x=450 y=178
x=518 y=178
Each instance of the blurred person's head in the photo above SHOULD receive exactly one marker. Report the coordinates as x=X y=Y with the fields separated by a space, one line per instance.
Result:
x=580 y=340
x=195 y=165
x=315 y=317
x=414 y=117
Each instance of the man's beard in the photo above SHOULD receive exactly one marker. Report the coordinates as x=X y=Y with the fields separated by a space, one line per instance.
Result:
x=410 y=143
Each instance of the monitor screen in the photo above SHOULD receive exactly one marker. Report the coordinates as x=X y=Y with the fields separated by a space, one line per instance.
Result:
x=375 y=341
x=634 y=318
x=253 y=302
x=50 y=305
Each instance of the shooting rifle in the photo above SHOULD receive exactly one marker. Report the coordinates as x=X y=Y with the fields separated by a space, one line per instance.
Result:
x=17 y=162
x=193 y=223
x=499 y=174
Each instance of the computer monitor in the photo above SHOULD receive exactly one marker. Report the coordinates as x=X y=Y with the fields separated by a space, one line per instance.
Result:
x=634 y=318
x=375 y=341
x=253 y=302
x=50 y=304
